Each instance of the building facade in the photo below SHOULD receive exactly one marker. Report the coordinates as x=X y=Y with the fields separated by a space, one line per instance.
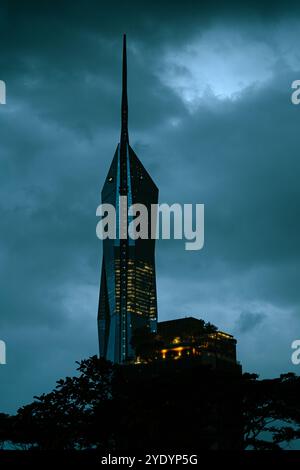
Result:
x=128 y=298
x=191 y=338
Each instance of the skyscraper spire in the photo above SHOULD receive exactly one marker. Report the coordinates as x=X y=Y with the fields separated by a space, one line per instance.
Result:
x=124 y=110
x=127 y=299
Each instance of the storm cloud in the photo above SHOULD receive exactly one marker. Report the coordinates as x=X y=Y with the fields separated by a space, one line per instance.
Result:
x=211 y=119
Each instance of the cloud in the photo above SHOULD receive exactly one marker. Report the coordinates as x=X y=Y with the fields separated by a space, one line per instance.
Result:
x=224 y=61
x=249 y=321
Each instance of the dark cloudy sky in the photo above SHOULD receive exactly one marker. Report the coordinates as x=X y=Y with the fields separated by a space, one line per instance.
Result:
x=212 y=120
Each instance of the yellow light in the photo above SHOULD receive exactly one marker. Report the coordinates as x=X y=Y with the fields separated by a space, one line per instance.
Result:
x=176 y=340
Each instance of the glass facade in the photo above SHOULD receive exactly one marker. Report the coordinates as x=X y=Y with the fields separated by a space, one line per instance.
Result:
x=128 y=282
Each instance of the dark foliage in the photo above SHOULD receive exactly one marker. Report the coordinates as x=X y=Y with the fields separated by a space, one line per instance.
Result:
x=146 y=344
x=160 y=406
x=272 y=408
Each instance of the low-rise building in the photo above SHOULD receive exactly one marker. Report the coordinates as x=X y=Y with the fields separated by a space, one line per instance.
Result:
x=191 y=337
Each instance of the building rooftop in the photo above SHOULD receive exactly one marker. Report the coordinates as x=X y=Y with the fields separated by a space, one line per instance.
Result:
x=187 y=326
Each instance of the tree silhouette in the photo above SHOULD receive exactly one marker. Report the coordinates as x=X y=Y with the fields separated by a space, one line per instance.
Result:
x=146 y=344
x=155 y=406
x=271 y=407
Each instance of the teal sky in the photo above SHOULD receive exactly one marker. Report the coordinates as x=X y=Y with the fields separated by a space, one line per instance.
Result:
x=210 y=117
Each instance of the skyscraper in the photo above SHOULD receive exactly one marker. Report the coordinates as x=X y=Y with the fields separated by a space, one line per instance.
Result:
x=128 y=282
